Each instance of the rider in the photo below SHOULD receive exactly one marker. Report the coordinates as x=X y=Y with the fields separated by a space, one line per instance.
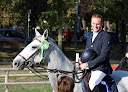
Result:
x=100 y=42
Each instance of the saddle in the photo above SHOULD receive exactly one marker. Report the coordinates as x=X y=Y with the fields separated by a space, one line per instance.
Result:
x=101 y=88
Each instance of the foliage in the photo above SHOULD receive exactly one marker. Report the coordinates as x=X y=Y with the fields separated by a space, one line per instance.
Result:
x=112 y=10
x=50 y=17
x=6 y=10
x=52 y=13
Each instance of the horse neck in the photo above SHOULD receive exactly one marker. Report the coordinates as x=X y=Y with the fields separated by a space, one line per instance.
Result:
x=58 y=60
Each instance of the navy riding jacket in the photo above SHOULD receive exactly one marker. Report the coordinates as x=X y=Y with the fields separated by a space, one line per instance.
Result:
x=102 y=45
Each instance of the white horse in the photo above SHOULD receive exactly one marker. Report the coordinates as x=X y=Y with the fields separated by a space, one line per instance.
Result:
x=54 y=58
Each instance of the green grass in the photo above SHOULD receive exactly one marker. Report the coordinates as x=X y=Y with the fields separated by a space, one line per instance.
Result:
x=24 y=88
x=27 y=88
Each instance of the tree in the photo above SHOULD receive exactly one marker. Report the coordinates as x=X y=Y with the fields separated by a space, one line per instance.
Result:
x=55 y=14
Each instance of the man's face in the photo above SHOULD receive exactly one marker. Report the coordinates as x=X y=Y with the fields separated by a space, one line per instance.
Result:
x=96 y=24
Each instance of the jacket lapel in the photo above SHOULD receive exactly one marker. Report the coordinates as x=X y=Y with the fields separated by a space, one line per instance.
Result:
x=96 y=36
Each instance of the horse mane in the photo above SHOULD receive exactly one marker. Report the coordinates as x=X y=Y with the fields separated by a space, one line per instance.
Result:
x=61 y=55
x=123 y=65
x=52 y=40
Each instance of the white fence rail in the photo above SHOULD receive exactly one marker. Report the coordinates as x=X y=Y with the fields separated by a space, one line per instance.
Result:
x=22 y=83
x=17 y=83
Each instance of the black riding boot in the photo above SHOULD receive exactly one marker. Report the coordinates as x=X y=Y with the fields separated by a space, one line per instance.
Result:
x=99 y=88
x=96 y=89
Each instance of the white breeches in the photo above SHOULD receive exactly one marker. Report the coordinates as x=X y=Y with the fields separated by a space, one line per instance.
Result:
x=96 y=78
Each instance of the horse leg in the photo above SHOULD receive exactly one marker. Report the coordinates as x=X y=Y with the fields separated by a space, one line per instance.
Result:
x=53 y=81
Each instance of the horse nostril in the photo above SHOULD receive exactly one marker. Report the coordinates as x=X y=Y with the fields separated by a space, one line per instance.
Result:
x=15 y=64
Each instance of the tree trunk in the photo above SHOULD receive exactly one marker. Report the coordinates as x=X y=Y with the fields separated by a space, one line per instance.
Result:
x=75 y=32
x=84 y=24
x=123 y=36
x=50 y=33
x=60 y=23
x=107 y=26
x=0 y=23
x=60 y=38
x=117 y=28
x=25 y=30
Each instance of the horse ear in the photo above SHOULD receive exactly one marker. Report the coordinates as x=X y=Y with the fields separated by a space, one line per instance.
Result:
x=45 y=34
x=37 y=33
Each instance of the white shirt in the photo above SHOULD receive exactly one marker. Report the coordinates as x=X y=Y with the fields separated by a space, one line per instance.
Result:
x=94 y=35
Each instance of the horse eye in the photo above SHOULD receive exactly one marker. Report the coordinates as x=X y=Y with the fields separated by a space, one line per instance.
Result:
x=34 y=47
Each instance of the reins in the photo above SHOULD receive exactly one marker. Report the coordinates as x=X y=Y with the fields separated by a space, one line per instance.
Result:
x=33 y=70
x=74 y=73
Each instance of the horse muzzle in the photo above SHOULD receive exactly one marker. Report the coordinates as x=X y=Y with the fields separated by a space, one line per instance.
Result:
x=18 y=65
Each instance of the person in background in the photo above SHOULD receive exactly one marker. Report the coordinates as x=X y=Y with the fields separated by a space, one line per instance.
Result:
x=10 y=26
x=66 y=84
x=16 y=27
x=81 y=33
x=100 y=42
x=1 y=26
x=6 y=26
x=68 y=35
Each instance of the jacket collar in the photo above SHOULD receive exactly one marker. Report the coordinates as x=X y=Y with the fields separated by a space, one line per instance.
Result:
x=96 y=36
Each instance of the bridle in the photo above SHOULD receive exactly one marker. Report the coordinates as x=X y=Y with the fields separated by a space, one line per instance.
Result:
x=35 y=53
x=31 y=68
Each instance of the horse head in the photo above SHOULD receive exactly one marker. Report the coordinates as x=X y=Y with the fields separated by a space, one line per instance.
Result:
x=31 y=54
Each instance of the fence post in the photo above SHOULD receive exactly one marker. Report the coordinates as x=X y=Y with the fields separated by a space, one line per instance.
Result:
x=6 y=80
x=77 y=59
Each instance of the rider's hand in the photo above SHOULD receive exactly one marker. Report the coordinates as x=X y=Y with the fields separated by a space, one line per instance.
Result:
x=82 y=66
